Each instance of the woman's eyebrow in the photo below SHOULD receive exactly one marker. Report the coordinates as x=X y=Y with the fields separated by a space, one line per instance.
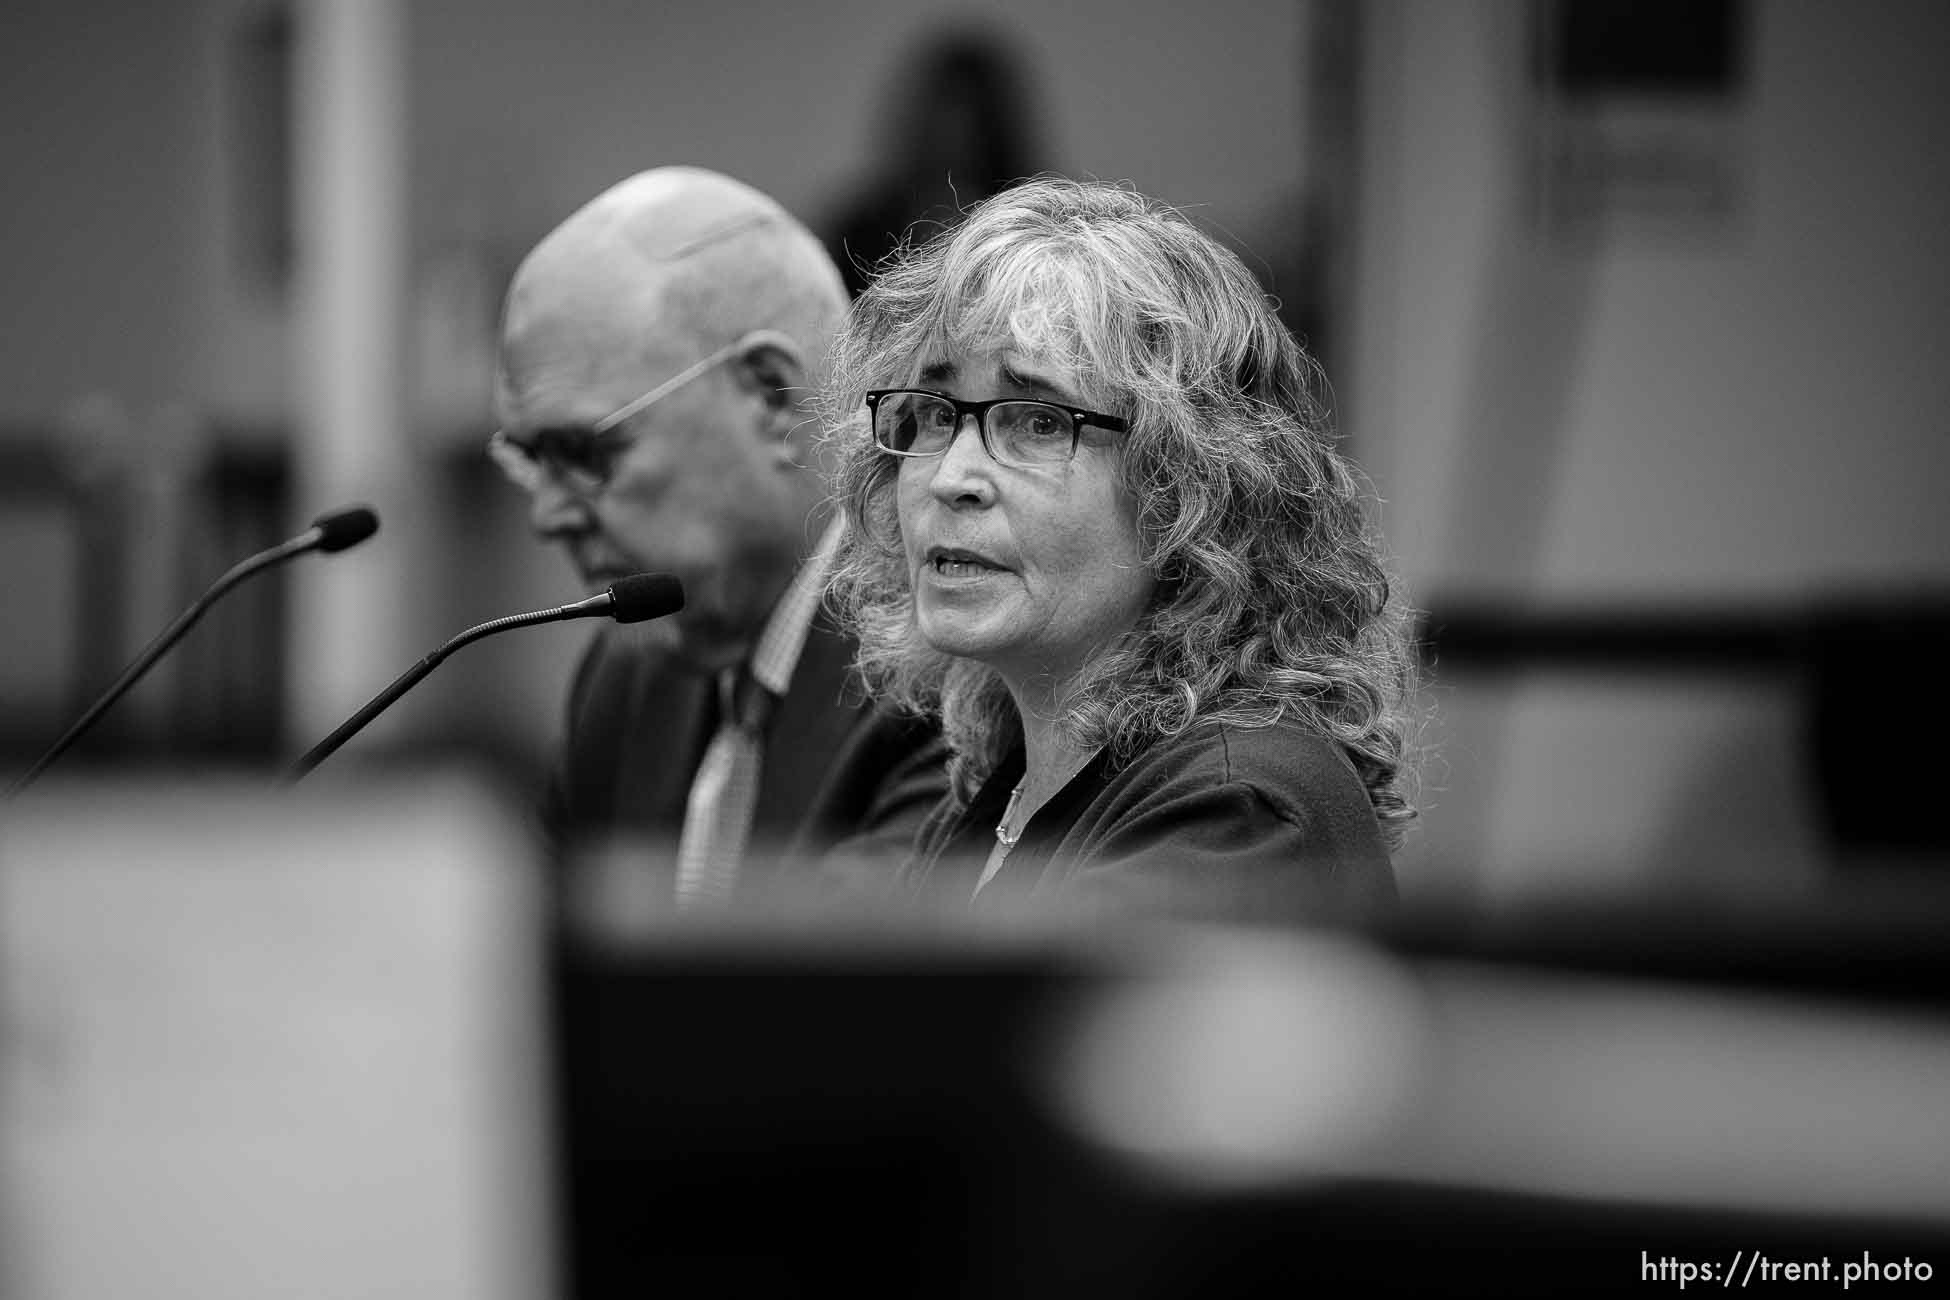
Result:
x=939 y=372
x=1033 y=384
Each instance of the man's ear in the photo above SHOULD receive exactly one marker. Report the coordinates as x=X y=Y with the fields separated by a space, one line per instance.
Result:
x=772 y=368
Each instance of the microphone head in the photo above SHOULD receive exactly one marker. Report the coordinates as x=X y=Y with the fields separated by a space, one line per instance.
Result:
x=645 y=596
x=339 y=529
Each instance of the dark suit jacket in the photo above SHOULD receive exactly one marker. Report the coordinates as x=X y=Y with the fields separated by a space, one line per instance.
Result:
x=1266 y=824
x=836 y=771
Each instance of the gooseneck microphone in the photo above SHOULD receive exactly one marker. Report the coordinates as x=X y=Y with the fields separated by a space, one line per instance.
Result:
x=630 y=600
x=334 y=531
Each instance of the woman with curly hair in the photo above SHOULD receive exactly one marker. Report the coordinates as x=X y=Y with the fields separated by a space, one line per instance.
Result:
x=1095 y=522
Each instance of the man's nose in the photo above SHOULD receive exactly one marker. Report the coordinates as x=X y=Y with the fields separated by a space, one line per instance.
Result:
x=965 y=472
x=555 y=511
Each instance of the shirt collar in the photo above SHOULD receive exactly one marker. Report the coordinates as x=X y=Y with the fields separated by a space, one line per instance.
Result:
x=777 y=653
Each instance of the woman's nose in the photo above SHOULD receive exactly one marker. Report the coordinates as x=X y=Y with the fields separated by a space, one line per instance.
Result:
x=965 y=472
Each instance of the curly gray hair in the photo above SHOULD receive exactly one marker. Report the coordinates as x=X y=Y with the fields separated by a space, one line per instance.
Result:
x=1272 y=597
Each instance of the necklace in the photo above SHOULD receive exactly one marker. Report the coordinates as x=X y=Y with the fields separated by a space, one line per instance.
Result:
x=1002 y=834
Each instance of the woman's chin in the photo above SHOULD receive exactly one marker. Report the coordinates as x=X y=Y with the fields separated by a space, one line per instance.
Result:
x=954 y=634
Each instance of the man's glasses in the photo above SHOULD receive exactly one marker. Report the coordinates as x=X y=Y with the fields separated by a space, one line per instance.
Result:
x=1015 y=432
x=582 y=460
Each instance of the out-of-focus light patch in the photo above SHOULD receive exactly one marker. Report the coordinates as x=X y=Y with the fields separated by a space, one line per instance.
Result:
x=1255 y=1060
x=1276 y=1064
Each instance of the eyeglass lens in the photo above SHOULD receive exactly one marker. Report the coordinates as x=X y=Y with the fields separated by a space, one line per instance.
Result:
x=1019 y=433
x=580 y=461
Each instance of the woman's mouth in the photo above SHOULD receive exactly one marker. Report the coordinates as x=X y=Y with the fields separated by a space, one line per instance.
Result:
x=953 y=562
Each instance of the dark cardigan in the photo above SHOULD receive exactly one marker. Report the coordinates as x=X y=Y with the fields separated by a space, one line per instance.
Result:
x=1261 y=824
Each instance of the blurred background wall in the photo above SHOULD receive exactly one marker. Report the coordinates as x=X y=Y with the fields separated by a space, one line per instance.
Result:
x=1655 y=343
x=1660 y=348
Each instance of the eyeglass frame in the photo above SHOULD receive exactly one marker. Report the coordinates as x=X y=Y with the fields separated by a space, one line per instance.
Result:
x=980 y=410
x=527 y=471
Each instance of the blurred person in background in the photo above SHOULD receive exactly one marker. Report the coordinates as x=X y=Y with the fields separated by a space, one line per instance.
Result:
x=959 y=126
x=1096 y=523
x=658 y=353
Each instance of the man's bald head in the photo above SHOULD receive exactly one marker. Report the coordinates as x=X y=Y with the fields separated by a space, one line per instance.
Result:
x=667 y=266
x=659 y=355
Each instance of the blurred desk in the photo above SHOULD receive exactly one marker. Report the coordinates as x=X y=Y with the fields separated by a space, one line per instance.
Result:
x=264 y=1042
x=1456 y=1110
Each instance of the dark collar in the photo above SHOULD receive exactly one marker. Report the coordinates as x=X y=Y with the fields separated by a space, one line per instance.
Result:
x=967 y=850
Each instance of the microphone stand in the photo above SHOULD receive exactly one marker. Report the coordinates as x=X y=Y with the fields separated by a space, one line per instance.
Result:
x=406 y=680
x=164 y=640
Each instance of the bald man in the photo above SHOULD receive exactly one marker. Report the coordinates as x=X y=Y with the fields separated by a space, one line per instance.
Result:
x=659 y=354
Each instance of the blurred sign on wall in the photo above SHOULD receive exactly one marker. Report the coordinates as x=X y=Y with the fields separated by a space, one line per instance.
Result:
x=1638 y=116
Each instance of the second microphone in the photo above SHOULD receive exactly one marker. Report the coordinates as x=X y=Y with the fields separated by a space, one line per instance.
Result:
x=635 y=599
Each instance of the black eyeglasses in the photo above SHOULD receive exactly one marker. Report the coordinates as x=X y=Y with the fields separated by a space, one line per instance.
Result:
x=1015 y=431
x=582 y=460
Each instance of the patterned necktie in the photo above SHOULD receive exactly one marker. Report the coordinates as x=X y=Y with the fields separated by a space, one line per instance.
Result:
x=718 y=818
